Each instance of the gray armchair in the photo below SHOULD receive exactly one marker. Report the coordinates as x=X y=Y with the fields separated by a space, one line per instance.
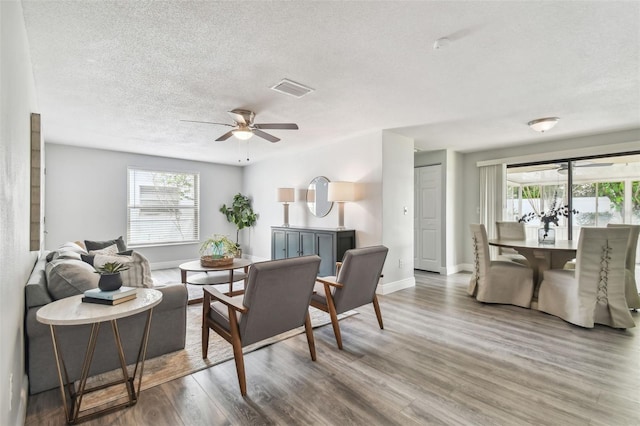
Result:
x=276 y=299
x=354 y=286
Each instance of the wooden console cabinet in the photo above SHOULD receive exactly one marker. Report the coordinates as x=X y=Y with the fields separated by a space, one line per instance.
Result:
x=329 y=244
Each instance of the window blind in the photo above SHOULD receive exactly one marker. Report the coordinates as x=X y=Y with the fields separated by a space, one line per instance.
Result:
x=163 y=207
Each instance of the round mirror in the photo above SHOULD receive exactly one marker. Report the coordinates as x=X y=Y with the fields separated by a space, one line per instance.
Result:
x=317 y=193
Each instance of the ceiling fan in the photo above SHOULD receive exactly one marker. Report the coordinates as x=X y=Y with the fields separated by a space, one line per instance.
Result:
x=564 y=168
x=245 y=127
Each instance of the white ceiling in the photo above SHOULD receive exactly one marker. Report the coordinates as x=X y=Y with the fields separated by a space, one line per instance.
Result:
x=121 y=75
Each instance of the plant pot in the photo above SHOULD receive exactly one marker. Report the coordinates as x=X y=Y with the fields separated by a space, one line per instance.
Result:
x=110 y=282
x=238 y=254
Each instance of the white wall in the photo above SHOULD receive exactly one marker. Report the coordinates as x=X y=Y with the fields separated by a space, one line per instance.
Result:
x=86 y=193
x=357 y=160
x=397 y=211
x=17 y=102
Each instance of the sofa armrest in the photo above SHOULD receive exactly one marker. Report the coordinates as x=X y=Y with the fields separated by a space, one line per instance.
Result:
x=173 y=296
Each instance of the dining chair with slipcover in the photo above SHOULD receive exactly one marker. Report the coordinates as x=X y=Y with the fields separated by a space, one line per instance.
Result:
x=276 y=299
x=354 y=286
x=593 y=293
x=511 y=231
x=497 y=281
x=630 y=287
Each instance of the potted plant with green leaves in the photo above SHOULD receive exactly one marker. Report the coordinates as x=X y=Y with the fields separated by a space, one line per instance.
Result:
x=217 y=250
x=241 y=214
x=110 y=278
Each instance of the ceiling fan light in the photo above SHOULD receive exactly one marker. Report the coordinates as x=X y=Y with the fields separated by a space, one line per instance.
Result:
x=243 y=133
x=543 y=124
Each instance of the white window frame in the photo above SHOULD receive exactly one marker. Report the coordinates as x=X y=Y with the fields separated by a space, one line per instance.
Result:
x=158 y=221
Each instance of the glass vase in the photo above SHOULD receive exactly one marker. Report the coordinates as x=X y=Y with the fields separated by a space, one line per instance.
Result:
x=547 y=235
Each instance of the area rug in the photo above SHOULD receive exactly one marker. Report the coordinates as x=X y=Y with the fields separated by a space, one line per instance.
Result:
x=181 y=363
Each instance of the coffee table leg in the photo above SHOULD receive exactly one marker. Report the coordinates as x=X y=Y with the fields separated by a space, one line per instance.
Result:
x=183 y=275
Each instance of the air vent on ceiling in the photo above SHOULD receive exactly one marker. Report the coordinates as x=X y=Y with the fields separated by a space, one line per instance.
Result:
x=292 y=88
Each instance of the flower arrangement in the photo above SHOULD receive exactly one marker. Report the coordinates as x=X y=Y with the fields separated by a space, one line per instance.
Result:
x=552 y=215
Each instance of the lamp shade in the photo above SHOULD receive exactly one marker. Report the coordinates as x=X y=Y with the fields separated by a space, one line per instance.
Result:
x=341 y=191
x=543 y=124
x=285 y=195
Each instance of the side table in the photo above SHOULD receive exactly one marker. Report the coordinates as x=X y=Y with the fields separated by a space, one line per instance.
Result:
x=72 y=311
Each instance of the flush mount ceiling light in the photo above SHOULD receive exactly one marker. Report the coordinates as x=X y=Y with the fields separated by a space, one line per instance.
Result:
x=543 y=124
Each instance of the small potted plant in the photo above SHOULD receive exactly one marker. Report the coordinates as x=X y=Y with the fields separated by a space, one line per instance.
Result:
x=218 y=250
x=241 y=214
x=110 y=278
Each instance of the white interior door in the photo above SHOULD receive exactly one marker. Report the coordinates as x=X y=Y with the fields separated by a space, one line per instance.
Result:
x=428 y=218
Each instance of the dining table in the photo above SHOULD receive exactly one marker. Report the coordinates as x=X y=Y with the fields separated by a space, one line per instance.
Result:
x=541 y=256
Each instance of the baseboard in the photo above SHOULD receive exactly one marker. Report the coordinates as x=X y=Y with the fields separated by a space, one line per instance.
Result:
x=24 y=395
x=168 y=264
x=461 y=267
x=465 y=267
x=387 y=288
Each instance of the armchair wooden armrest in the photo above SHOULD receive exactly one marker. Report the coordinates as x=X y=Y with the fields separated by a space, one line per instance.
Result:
x=329 y=282
x=210 y=292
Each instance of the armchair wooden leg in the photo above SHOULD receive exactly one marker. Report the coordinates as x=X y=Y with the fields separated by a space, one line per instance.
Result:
x=376 y=307
x=206 y=306
x=205 y=340
x=334 y=319
x=309 y=330
x=237 y=351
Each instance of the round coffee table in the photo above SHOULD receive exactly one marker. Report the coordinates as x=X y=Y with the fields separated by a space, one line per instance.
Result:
x=209 y=275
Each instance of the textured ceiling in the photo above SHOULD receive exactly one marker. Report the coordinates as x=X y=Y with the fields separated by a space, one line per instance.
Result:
x=121 y=75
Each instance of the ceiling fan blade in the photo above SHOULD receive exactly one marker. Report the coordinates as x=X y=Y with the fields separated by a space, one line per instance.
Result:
x=594 y=165
x=282 y=126
x=225 y=136
x=264 y=135
x=208 y=122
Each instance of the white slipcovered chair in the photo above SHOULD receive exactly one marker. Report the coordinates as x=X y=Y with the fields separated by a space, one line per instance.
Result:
x=511 y=231
x=594 y=291
x=498 y=281
x=630 y=287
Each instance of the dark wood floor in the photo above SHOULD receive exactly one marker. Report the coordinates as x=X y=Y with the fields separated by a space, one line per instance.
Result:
x=443 y=358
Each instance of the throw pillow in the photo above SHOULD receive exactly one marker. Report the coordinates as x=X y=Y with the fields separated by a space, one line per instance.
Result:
x=68 y=277
x=90 y=257
x=138 y=274
x=111 y=250
x=97 y=245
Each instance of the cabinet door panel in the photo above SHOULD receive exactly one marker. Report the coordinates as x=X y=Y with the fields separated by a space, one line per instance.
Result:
x=278 y=245
x=324 y=242
x=307 y=243
x=293 y=244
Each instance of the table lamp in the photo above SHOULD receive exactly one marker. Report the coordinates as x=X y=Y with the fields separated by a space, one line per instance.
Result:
x=286 y=196
x=341 y=192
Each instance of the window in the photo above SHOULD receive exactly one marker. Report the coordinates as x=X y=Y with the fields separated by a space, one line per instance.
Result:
x=603 y=190
x=163 y=207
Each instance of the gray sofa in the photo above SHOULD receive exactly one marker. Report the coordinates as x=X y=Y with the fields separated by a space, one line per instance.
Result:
x=167 y=334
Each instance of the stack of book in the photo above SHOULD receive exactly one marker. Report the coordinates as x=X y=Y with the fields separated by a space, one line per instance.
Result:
x=115 y=297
